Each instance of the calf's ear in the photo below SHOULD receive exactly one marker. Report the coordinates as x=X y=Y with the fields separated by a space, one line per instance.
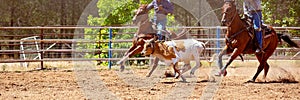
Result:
x=146 y=41
x=152 y=40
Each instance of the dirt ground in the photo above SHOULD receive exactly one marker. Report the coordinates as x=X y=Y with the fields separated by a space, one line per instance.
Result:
x=132 y=84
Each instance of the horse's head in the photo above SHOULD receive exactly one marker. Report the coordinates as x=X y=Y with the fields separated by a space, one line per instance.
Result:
x=141 y=14
x=229 y=12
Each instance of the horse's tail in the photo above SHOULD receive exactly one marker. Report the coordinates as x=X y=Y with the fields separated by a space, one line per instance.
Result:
x=287 y=39
x=284 y=37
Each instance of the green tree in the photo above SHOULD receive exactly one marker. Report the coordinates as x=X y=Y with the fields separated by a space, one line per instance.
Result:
x=281 y=12
x=112 y=13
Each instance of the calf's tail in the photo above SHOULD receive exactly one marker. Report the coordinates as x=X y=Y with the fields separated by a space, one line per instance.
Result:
x=204 y=54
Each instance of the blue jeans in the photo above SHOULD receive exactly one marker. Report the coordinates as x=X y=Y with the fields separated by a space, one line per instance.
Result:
x=161 y=21
x=257 y=22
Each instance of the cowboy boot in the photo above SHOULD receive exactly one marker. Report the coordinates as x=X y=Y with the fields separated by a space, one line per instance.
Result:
x=258 y=49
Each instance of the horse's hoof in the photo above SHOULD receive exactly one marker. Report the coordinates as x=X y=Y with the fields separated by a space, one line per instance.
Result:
x=119 y=62
x=148 y=75
x=221 y=72
x=184 y=81
x=250 y=81
x=218 y=74
x=122 y=68
x=192 y=73
x=225 y=73
x=176 y=77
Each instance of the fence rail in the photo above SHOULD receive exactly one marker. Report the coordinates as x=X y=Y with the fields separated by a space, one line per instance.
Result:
x=214 y=34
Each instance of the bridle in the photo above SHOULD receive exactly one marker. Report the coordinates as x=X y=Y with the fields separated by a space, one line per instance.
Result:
x=235 y=14
x=230 y=38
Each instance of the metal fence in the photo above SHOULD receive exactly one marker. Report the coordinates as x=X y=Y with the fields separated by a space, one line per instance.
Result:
x=44 y=44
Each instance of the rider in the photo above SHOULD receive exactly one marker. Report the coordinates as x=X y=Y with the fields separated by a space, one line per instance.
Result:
x=162 y=9
x=252 y=9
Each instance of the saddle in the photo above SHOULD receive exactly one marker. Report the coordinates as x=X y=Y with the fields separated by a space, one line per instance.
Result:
x=266 y=30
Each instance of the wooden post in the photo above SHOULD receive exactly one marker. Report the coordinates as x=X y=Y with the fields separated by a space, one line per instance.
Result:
x=42 y=48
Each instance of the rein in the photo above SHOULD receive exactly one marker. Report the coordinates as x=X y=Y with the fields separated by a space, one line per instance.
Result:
x=234 y=35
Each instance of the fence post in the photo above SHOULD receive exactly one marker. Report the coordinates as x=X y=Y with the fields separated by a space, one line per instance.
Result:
x=218 y=29
x=109 y=49
x=42 y=48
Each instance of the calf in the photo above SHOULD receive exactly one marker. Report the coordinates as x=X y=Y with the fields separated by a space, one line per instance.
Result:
x=176 y=51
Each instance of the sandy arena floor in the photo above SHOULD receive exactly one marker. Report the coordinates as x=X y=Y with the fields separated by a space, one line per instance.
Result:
x=132 y=84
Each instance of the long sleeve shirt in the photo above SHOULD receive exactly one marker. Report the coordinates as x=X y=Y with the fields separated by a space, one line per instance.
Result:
x=251 y=5
x=166 y=4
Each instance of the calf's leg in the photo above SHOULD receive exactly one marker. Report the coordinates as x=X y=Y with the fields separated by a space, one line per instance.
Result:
x=185 y=67
x=178 y=71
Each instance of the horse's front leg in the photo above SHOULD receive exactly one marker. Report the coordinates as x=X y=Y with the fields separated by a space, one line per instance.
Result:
x=132 y=51
x=126 y=55
x=154 y=65
x=235 y=53
x=220 y=61
x=122 y=61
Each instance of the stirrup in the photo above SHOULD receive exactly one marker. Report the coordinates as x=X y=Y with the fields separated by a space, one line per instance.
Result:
x=259 y=51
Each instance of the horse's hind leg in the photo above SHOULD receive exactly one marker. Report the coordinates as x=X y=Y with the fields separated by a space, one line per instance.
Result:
x=267 y=66
x=266 y=69
x=259 y=69
x=267 y=55
x=262 y=63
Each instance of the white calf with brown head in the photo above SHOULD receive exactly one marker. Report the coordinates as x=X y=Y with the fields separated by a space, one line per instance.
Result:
x=176 y=51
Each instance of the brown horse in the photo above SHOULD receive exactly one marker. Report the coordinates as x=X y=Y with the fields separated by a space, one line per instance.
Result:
x=145 y=32
x=239 y=40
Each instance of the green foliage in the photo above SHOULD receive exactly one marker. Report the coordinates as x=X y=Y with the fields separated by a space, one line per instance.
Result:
x=281 y=12
x=145 y=1
x=112 y=13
